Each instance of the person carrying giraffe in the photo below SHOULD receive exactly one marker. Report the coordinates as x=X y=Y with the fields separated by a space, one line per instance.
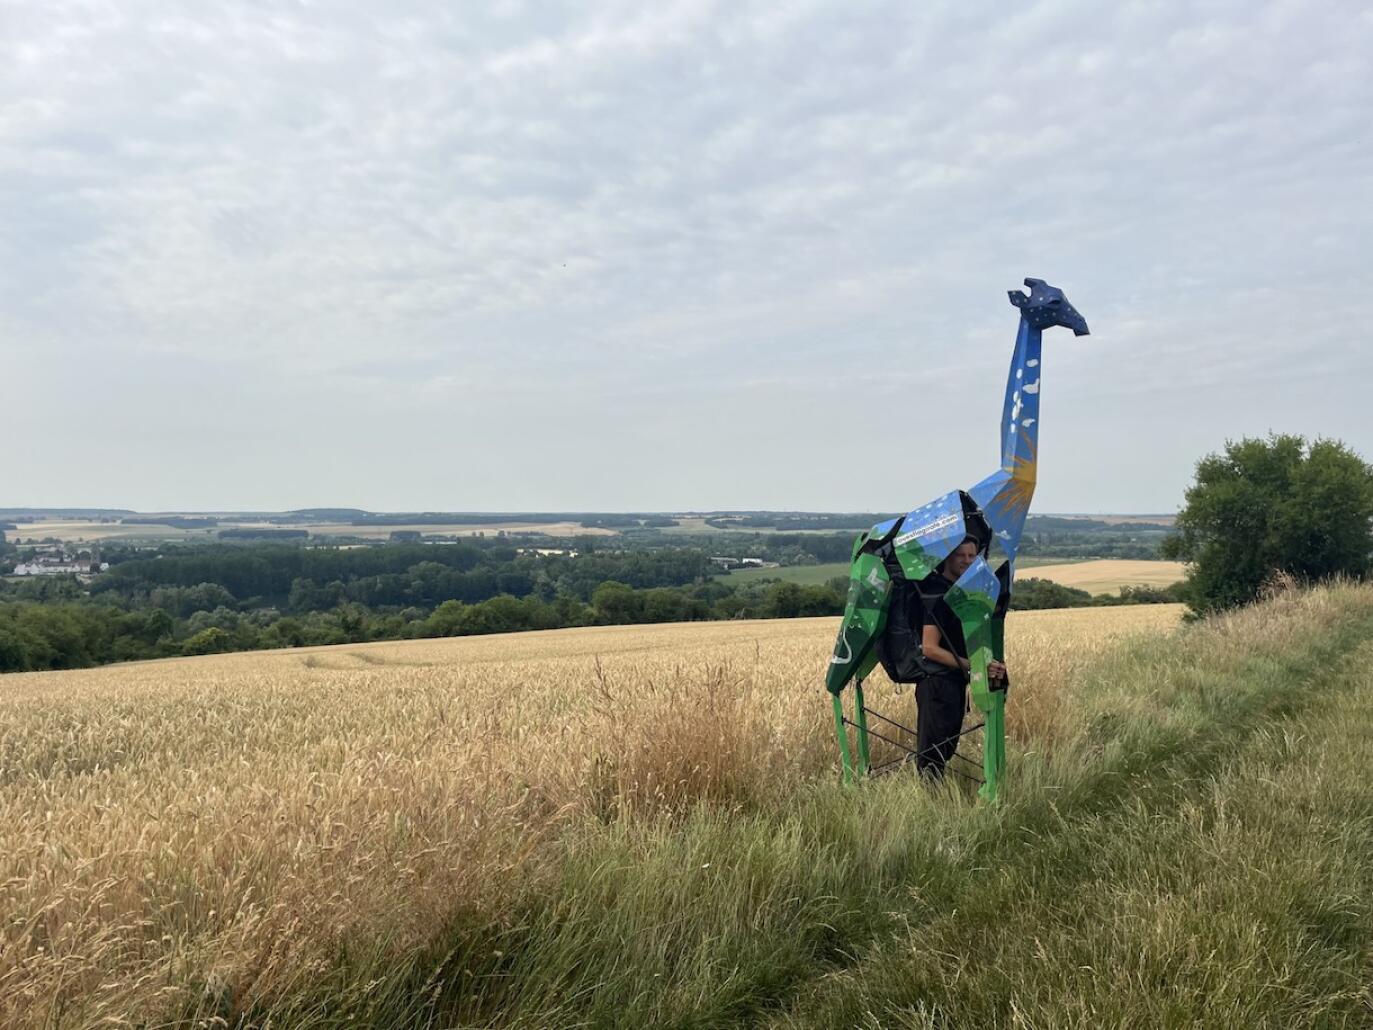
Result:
x=896 y=554
x=941 y=687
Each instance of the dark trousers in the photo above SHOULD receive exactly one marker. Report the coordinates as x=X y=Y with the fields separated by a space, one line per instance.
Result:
x=940 y=704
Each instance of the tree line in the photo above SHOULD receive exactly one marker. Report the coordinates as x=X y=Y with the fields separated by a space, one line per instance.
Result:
x=70 y=632
x=57 y=628
x=1260 y=508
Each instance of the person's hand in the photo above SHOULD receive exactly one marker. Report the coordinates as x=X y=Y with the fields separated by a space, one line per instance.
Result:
x=996 y=670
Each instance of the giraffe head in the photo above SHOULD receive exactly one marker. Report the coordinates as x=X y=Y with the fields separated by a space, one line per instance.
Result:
x=1046 y=306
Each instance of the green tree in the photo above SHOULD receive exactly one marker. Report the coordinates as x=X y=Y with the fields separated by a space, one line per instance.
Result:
x=152 y=626
x=617 y=603
x=502 y=614
x=207 y=641
x=14 y=650
x=793 y=601
x=1032 y=592
x=285 y=632
x=353 y=620
x=1275 y=505
x=446 y=620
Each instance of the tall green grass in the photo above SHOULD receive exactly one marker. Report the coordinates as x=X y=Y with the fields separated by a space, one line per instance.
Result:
x=1195 y=849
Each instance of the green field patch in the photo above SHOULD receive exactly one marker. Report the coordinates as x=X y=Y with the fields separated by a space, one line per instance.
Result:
x=807 y=575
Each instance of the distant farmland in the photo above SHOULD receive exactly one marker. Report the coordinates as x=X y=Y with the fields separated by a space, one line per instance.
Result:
x=1109 y=575
x=809 y=575
x=69 y=531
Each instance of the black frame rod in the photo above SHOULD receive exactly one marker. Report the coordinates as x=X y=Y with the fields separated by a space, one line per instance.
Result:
x=911 y=750
x=912 y=732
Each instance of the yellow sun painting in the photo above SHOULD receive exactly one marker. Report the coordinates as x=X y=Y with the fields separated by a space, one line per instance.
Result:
x=1014 y=497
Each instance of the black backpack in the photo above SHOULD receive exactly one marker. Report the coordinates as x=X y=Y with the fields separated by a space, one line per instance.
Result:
x=899 y=646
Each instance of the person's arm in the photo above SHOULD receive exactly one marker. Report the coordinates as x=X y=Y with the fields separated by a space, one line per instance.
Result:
x=932 y=644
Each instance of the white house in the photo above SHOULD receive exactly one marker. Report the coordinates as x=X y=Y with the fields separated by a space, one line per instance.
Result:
x=59 y=568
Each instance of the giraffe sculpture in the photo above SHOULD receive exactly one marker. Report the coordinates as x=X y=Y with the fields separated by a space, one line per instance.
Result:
x=909 y=548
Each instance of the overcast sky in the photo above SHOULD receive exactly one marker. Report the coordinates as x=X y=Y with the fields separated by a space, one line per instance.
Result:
x=629 y=256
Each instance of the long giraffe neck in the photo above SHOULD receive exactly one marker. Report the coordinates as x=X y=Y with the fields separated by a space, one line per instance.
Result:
x=1020 y=414
x=1005 y=495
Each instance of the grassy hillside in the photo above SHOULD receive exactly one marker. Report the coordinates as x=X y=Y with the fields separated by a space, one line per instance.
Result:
x=610 y=827
x=1185 y=852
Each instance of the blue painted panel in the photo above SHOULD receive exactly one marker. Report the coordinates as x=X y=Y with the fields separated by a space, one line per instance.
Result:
x=882 y=529
x=929 y=534
x=985 y=491
x=980 y=579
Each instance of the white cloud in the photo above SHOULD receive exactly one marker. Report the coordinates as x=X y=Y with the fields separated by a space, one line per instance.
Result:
x=761 y=216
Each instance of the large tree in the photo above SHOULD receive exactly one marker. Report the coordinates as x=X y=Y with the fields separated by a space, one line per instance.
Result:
x=1274 y=505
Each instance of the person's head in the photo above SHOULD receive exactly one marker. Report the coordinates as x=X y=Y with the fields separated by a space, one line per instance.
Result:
x=957 y=563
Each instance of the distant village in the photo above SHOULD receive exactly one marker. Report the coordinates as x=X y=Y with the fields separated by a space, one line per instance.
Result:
x=55 y=560
x=741 y=563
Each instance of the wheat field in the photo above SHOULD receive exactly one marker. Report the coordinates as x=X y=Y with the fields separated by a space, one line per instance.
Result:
x=236 y=820
x=1108 y=575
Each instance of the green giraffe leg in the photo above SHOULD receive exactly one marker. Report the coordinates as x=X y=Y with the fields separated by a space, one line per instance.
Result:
x=994 y=748
x=973 y=600
x=843 y=735
x=861 y=717
x=865 y=617
x=1000 y=738
x=994 y=733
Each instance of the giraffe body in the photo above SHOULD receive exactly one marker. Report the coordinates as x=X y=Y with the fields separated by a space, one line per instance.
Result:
x=911 y=547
